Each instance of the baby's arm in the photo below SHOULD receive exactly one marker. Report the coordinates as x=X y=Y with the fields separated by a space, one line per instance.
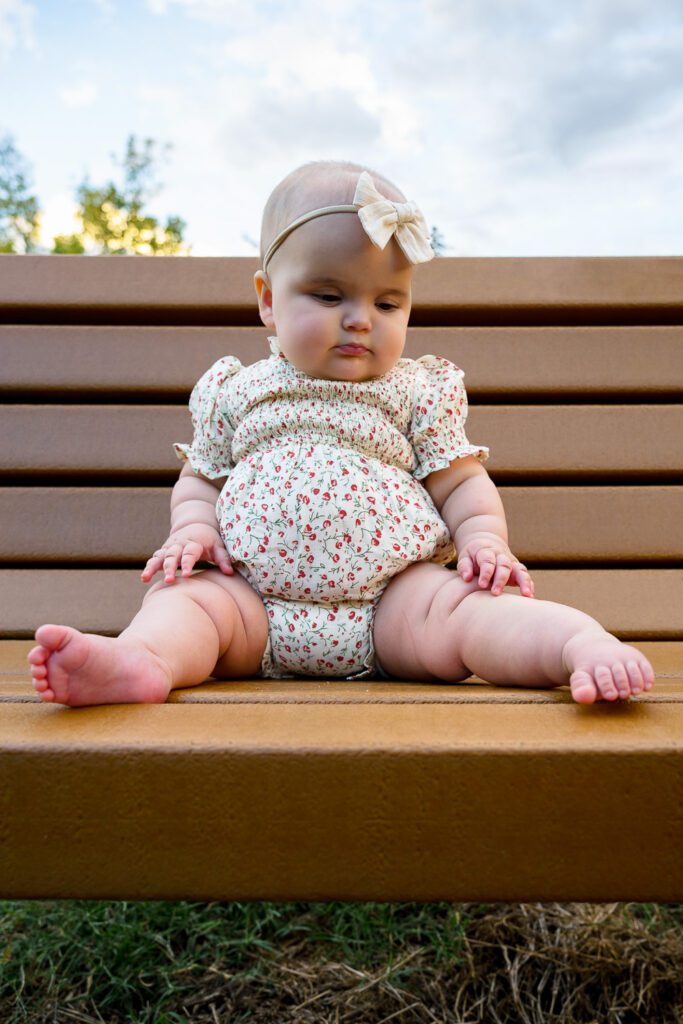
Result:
x=470 y=505
x=194 y=529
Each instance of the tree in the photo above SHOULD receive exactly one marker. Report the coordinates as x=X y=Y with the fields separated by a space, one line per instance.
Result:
x=438 y=242
x=19 y=214
x=113 y=219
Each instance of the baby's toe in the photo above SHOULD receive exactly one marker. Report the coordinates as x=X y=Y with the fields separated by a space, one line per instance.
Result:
x=584 y=690
x=605 y=682
x=648 y=673
x=38 y=655
x=621 y=679
x=635 y=676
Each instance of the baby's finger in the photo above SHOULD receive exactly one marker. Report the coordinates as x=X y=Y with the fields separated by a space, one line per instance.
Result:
x=521 y=576
x=190 y=552
x=222 y=559
x=171 y=562
x=465 y=567
x=486 y=559
x=502 y=574
x=154 y=564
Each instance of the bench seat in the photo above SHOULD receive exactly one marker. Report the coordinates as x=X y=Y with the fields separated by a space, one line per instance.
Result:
x=299 y=790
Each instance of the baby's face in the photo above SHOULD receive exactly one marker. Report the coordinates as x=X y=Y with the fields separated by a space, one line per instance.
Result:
x=338 y=304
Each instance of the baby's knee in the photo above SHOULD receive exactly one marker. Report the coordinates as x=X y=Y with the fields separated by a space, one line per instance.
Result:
x=442 y=632
x=179 y=585
x=448 y=598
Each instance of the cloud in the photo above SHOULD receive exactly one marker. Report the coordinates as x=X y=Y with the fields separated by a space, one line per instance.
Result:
x=16 y=26
x=83 y=94
x=287 y=125
x=556 y=80
x=206 y=10
x=520 y=126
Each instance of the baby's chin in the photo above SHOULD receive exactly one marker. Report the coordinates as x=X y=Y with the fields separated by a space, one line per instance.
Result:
x=353 y=369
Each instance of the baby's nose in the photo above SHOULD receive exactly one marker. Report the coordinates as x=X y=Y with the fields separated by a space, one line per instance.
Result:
x=357 y=317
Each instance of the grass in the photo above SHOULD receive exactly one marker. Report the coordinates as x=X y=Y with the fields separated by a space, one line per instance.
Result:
x=165 y=963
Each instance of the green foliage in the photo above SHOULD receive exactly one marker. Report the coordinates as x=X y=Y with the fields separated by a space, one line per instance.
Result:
x=19 y=215
x=68 y=245
x=113 y=219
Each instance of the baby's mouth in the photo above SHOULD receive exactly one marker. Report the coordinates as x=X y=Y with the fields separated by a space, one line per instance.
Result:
x=352 y=349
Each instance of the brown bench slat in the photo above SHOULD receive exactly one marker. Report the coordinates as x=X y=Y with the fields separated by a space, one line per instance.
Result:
x=580 y=441
x=547 y=524
x=554 y=361
x=666 y=657
x=450 y=289
x=356 y=802
x=630 y=602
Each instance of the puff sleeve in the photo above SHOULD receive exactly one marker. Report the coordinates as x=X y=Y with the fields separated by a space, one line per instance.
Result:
x=437 y=429
x=210 y=451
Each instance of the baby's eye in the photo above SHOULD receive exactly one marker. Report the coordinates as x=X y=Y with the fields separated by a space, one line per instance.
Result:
x=327 y=297
x=387 y=305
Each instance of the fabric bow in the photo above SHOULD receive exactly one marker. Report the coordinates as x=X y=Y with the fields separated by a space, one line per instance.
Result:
x=382 y=218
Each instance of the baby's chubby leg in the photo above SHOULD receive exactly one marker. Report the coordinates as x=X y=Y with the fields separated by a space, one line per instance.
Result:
x=431 y=624
x=205 y=624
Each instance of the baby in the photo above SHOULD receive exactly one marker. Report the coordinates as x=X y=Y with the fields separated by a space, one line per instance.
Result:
x=330 y=485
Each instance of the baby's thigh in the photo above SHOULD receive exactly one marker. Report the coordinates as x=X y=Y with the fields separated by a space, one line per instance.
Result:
x=241 y=617
x=411 y=622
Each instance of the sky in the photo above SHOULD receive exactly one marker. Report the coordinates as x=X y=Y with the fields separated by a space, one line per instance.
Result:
x=520 y=127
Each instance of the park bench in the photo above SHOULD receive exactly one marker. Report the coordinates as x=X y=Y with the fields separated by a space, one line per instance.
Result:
x=316 y=790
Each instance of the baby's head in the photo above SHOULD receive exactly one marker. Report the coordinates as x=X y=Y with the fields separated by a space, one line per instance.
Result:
x=338 y=299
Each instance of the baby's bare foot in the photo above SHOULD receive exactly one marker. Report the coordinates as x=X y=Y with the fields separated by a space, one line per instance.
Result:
x=69 y=667
x=600 y=666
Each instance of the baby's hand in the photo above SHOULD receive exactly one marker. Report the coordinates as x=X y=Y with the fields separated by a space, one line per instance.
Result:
x=489 y=557
x=185 y=547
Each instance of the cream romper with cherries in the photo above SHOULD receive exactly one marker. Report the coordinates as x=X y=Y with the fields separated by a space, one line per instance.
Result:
x=323 y=505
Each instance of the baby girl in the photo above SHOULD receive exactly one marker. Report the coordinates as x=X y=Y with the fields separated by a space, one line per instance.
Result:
x=331 y=485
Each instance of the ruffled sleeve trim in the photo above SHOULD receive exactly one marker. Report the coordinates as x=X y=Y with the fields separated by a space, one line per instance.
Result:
x=210 y=450
x=439 y=415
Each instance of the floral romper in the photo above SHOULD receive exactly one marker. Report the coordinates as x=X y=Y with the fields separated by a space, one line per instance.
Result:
x=322 y=505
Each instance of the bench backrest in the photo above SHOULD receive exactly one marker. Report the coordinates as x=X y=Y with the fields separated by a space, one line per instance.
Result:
x=573 y=368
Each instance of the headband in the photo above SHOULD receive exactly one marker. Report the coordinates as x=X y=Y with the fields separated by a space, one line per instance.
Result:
x=381 y=219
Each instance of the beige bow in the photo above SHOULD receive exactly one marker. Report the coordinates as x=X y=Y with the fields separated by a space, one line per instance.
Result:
x=382 y=218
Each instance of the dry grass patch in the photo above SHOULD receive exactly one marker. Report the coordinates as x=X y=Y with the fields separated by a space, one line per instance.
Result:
x=527 y=964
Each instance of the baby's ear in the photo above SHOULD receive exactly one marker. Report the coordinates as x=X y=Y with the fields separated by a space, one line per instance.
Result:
x=264 y=295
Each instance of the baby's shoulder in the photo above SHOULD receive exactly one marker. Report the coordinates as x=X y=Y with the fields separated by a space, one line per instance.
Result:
x=430 y=364
x=220 y=371
x=228 y=370
x=431 y=371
